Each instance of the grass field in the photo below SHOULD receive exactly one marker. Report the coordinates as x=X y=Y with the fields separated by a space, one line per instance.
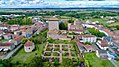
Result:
x=114 y=24
x=3 y=40
x=24 y=57
x=94 y=61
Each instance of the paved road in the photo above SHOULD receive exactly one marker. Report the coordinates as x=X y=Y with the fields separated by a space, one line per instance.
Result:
x=12 y=52
x=112 y=61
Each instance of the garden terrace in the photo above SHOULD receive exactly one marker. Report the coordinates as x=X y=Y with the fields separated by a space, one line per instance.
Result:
x=59 y=51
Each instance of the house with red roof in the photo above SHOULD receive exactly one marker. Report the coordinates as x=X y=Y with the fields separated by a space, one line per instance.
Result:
x=85 y=47
x=102 y=44
x=8 y=36
x=4 y=26
x=87 y=38
x=7 y=46
x=89 y=48
x=75 y=26
x=29 y=46
x=1 y=34
x=14 y=27
x=17 y=40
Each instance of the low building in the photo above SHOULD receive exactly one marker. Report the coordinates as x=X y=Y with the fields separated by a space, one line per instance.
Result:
x=87 y=38
x=14 y=27
x=8 y=46
x=1 y=34
x=102 y=54
x=8 y=36
x=64 y=37
x=29 y=46
x=76 y=31
x=75 y=26
x=85 y=47
x=102 y=44
x=4 y=26
x=90 y=48
x=26 y=32
x=17 y=40
x=54 y=34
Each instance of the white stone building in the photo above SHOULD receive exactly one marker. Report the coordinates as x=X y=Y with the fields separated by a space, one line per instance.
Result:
x=29 y=46
x=87 y=38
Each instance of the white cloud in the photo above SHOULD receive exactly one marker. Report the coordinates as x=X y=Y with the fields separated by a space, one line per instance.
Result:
x=54 y=3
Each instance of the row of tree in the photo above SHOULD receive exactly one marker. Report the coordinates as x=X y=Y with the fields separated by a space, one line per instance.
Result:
x=20 y=21
x=96 y=32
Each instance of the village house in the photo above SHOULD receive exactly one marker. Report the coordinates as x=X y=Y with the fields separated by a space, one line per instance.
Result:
x=1 y=34
x=41 y=29
x=115 y=39
x=85 y=47
x=18 y=32
x=35 y=19
x=76 y=31
x=87 y=38
x=102 y=44
x=107 y=32
x=75 y=26
x=17 y=40
x=4 y=26
x=116 y=33
x=8 y=36
x=26 y=32
x=102 y=54
x=6 y=46
x=89 y=48
x=14 y=27
x=29 y=46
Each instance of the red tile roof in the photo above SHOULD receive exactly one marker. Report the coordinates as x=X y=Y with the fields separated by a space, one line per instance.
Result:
x=115 y=38
x=89 y=46
x=6 y=44
x=18 y=38
x=3 y=25
x=28 y=43
x=103 y=43
x=86 y=35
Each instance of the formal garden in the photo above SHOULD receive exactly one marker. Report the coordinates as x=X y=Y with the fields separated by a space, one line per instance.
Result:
x=59 y=51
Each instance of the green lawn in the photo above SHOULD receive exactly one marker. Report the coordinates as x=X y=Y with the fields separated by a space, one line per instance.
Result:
x=24 y=57
x=94 y=61
x=3 y=40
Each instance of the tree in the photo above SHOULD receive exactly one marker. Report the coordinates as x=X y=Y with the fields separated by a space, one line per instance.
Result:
x=71 y=20
x=36 y=61
x=24 y=41
x=46 y=64
x=5 y=63
x=63 y=26
x=67 y=63
x=87 y=43
x=50 y=40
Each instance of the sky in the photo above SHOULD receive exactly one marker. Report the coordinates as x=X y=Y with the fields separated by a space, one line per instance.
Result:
x=57 y=3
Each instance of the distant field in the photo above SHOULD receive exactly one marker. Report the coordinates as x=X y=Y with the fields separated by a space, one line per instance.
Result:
x=94 y=61
x=114 y=24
